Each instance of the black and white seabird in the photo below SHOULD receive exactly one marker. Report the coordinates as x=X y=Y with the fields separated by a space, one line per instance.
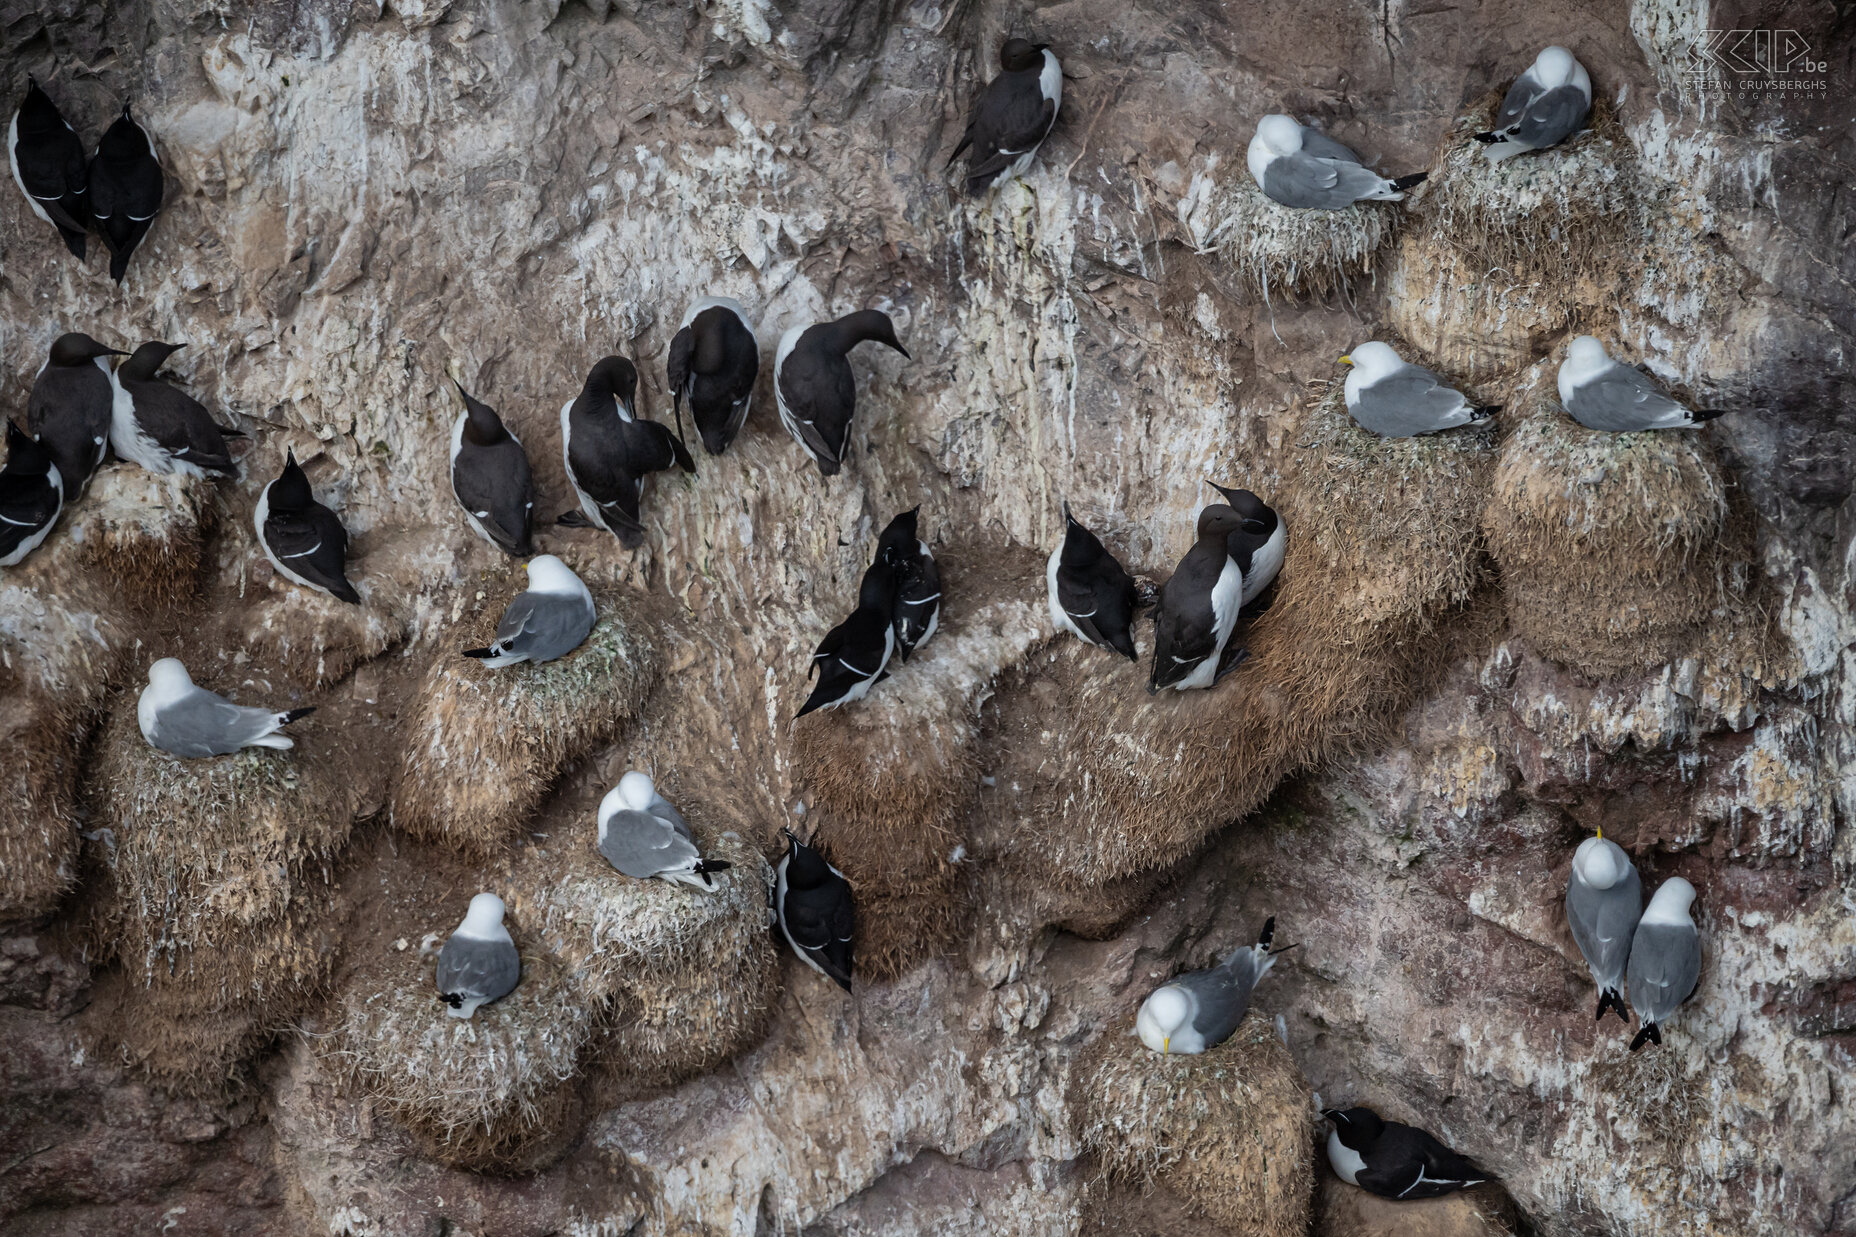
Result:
x=1296 y=165
x=1546 y=105
x=1199 y=606
x=49 y=166
x=69 y=408
x=1091 y=594
x=160 y=426
x=550 y=619
x=1394 y=1160
x=917 y=583
x=304 y=540
x=1601 y=394
x=1258 y=545
x=125 y=189
x=813 y=384
x=1604 y=901
x=31 y=496
x=855 y=654
x=491 y=479
x=1665 y=959
x=479 y=964
x=1395 y=399
x=642 y=835
x=1014 y=116
x=609 y=450
x=812 y=901
x=1199 y=1010
x=714 y=362
x=190 y=722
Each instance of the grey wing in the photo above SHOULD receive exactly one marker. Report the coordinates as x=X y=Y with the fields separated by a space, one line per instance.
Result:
x=1301 y=181
x=469 y=968
x=1525 y=90
x=1223 y=996
x=642 y=844
x=543 y=626
x=1665 y=962
x=1552 y=117
x=203 y=723
x=1603 y=922
x=1323 y=147
x=660 y=808
x=1410 y=401
x=1622 y=399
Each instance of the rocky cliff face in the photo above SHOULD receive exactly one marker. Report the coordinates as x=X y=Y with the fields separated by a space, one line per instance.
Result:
x=367 y=201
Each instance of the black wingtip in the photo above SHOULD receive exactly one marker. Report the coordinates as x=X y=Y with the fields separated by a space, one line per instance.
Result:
x=843 y=981
x=74 y=241
x=1487 y=139
x=1407 y=182
x=1268 y=934
x=342 y=590
x=1611 y=999
x=1485 y=411
x=1649 y=1034
x=478 y=653
x=295 y=715
x=1707 y=414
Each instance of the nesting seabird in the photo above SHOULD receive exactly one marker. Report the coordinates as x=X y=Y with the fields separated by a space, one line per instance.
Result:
x=160 y=426
x=1296 y=165
x=125 y=189
x=1014 y=116
x=1665 y=959
x=642 y=835
x=917 y=583
x=1546 y=105
x=714 y=362
x=1601 y=394
x=1393 y=1160
x=551 y=619
x=304 y=540
x=69 y=408
x=1199 y=1010
x=49 y=166
x=1395 y=399
x=479 y=964
x=491 y=479
x=814 y=386
x=189 y=721
x=1198 y=607
x=31 y=496
x=812 y=901
x=1604 y=901
x=855 y=654
x=609 y=451
x=1257 y=547
x=1091 y=594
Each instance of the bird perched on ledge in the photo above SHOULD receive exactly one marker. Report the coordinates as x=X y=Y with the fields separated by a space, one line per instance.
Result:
x=1545 y=106
x=713 y=363
x=1091 y=594
x=1013 y=117
x=1601 y=394
x=814 y=386
x=1198 y=607
x=190 y=722
x=1604 y=901
x=1199 y=1010
x=1297 y=166
x=1393 y=398
x=70 y=407
x=49 y=166
x=812 y=902
x=479 y=964
x=642 y=835
x=31 y=496
x=304 y=540
x=1393 y=1160
x=490 y=477
x=1665 y=959
x=550 y=619
x=609 y=450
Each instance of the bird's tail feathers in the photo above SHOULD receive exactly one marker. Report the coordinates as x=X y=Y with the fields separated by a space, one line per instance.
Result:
x=1611 y=998
x=707 y=866
x=1410 y=182
x=284 y=719
x=1650 y=1034
x=480 y=654
x=1707 y=414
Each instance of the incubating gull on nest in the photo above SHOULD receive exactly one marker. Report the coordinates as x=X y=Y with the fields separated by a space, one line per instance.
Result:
x=549 y=620
x=1601 y=394
x=1665 y=959
x=1604 y=901
x=479 y=964
x=641 y=835
x=1197 y=1011
x=1396 y=399
x=1092 y=596
x=188 y=721
x=1297 y=166
x=1545 y=106
x=1393 y=1160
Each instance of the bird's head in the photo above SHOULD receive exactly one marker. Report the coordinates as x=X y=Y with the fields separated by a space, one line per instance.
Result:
x=77 y=348
x=1586 y=353
x=1357 y=1128
x=1372 y=359
x=1600 y=862
x=1163 y=1015
x=637 y=790
x=548 y=574
x=1554 y=67
x=1017 y=55
x=484 y=916
x=1280 y=135
x=168 y=674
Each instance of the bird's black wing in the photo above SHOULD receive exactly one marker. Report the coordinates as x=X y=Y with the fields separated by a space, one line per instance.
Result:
x=1012 y=118
x=918 y=600
x=52 y=169
x=1114 y=599
x=27 y=504
x=820 y=923
x=1407 y=1163
x=181 y=426
x=677 y=366
x=313 y=544
x=821 y=395
x=495 y=481
x=1186 y=629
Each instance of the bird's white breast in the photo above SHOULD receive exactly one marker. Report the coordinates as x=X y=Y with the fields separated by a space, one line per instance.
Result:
x=1050 y=79
x=1345 y=1160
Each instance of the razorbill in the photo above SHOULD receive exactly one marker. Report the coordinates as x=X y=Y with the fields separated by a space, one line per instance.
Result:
x=1545 y=106
x=125 y=189
x=1091 y=595
x=1394 y=1160
x=1395 y=399
x=549 y=620
x=160 y=426
x=479 y=964
x=609 y=451
x=855 y=654
x=304 y=540
x=31 y=496
x=69 y=408
x=1198 y=607
x=1199 y=1010
x=641 y=835
x=917 y=582
x=1604 y=901
x=49 y=166
x=188 y=721
x=813 y=384
x=1014 y=116
x=1296 y=165
x=714 y=362
x=812 y=901
x=1258 y=545
x=490 y=477
x=1601 y=394
x=1665 y=959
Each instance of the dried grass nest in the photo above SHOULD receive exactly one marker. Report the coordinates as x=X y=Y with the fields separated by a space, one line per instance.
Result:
x=1615 y=549
x=1230 y=1131
x=1282 y=253
x=143 y=531
x=487 y=745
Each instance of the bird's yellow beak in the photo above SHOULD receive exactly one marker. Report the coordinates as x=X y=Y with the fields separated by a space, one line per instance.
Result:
x=1599 y=829
x=1166 y=1044
x=525 y=566
x=1347 y=360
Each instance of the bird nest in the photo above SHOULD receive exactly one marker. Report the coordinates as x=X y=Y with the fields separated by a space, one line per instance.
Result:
x=1383 y=560
x=1282 y=253
x=1476 y=324
x=1614 y=549
x=144 y=532
x=1230 y=1131
x=487 y=745
x=891 y=777
x=1567 y=213
x=312 y=639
